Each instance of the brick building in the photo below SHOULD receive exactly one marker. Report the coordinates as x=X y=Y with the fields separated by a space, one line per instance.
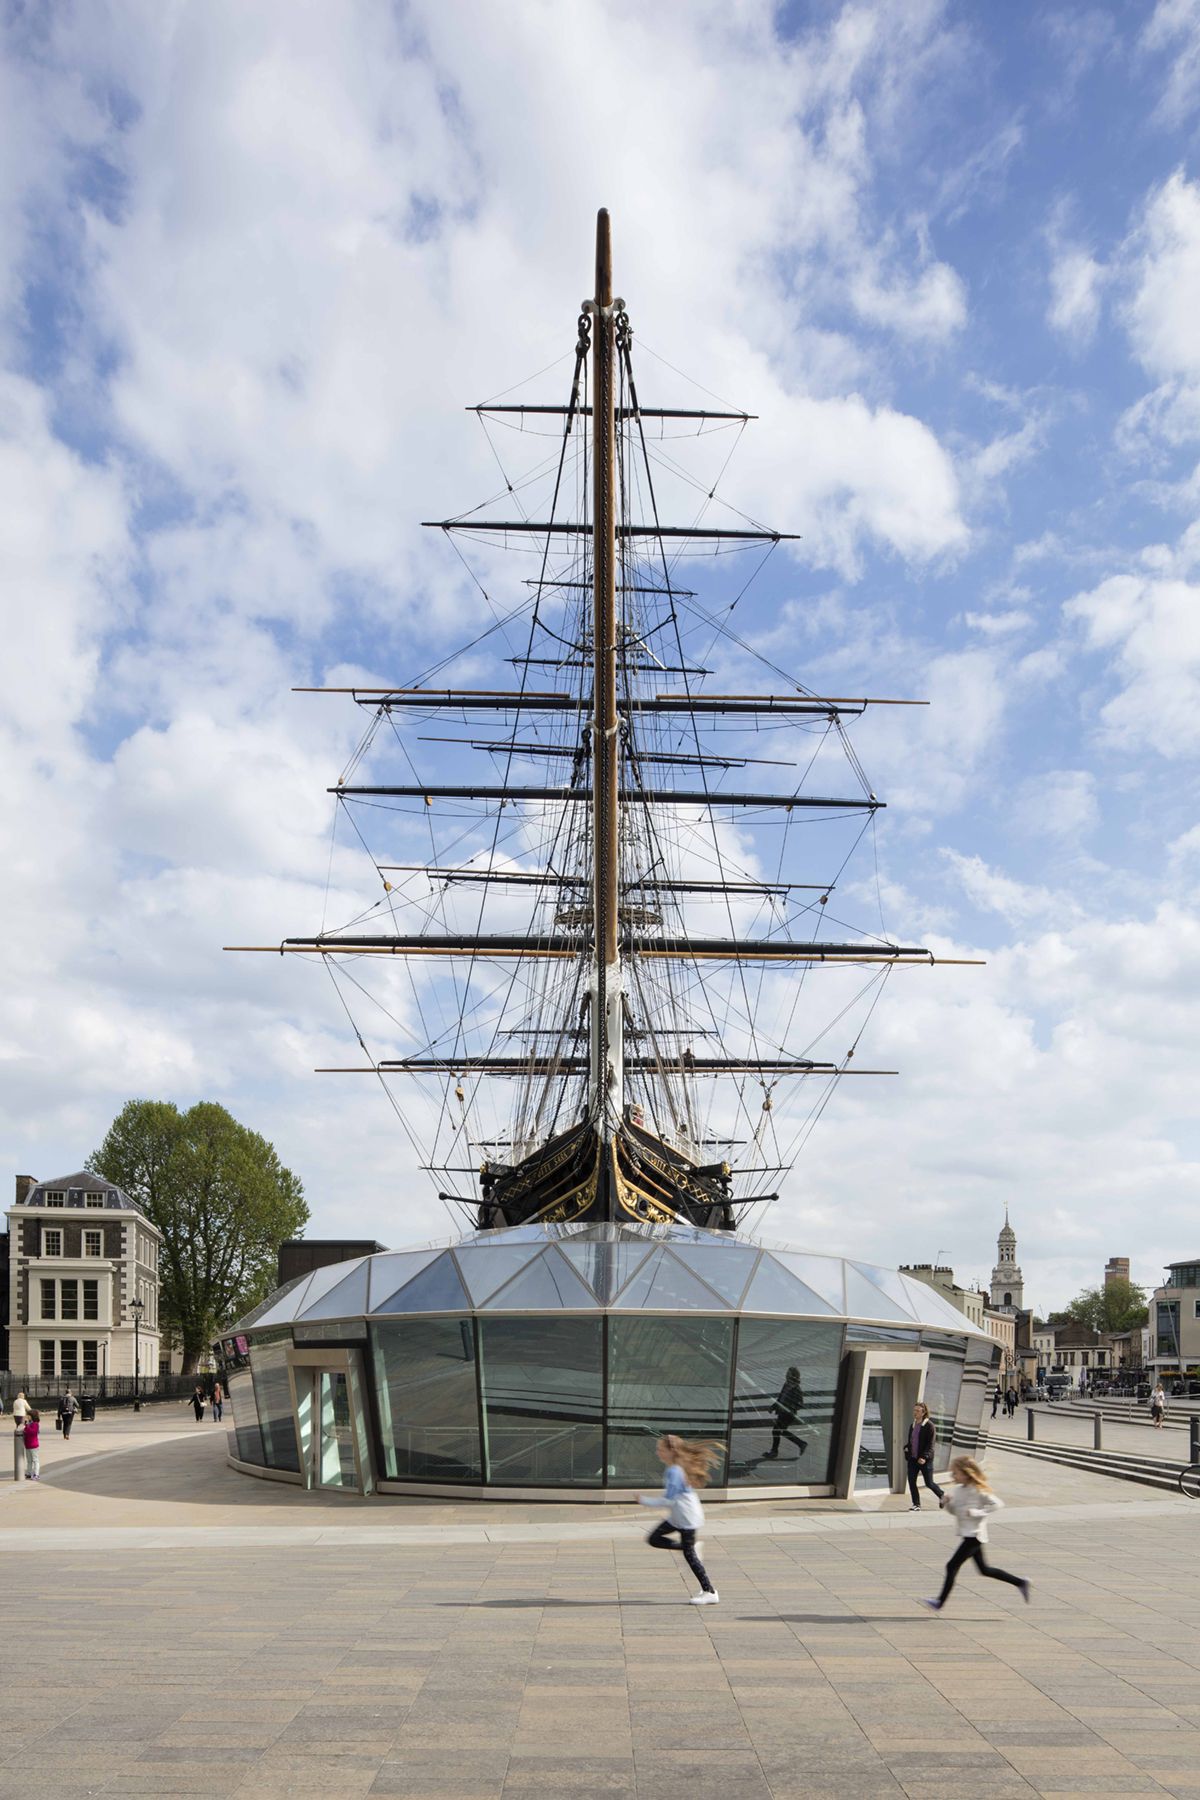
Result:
x=80 y=1255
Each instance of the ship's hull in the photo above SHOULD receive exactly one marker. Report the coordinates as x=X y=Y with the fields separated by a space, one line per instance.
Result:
x=634 y=1178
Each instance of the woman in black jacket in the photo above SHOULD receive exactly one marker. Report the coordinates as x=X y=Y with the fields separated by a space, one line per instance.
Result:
x=918 y=1453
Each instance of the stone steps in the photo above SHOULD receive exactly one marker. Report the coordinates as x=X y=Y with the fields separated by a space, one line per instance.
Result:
x=1150 y=1471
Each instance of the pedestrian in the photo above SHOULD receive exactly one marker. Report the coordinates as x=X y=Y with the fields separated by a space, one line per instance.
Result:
x=971 y=1501
x=995 y=1399
x=20 y=1414
x=785 y=1409
x=689 y=1465
x=218 y=1403
x=1158 y=1405
x=68 y=1406
x=33 y=1442
x=198 y=1402
x=1010 y=1402
x=918 y=1454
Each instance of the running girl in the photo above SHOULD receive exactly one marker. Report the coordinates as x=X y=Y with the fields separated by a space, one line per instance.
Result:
x=971 y=1502
x=689 y=1465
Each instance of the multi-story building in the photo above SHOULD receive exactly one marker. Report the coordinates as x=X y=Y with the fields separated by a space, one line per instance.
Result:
x=1116 y=1269
x=1175 y=1321
x=83 y=1281
x=941 y=1277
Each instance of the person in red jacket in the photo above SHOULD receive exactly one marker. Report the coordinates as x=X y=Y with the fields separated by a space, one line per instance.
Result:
x=33 y=1443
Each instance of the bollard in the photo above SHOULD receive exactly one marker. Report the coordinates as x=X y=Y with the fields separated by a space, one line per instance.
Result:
x=1194 y=1438
x=18 y=1455
x=1098 y=1432
x=1029 y=1423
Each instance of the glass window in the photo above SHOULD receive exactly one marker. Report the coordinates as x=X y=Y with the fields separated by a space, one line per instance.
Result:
x=95 y=1200
x=68 y=1352
x=663 y=1284
x=726 y=1267
x=273 y=1396
x=47 y=1351
x=91 y=1299
x=776 y=1290
x=91 y=1358
x=943 y=1380
x=70 y=1299
x=93 y=1243
x=784 y=1386
x=485 y=1267
x=54 y=1197
x=52 y=1242
x=543 y=1393
x=876 y=1445
x=865 y=1300
x=606 y=1267
x=436 y=1289
x=239 y=1386
x=428 y=1403
x=547 y=1285
x=978 y=1378
x=49 y=1299
x=664 y=1375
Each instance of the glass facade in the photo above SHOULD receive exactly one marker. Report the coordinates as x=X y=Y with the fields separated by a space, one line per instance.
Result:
x=553 y=1357
x=784 y=1389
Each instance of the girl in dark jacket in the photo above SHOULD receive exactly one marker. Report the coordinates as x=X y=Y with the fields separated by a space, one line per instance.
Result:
x=918 y=1453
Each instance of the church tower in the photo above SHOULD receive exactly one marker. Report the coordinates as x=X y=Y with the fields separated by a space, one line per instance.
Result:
x=1008 y=1284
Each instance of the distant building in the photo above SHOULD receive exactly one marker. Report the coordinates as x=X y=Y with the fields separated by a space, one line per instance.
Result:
x=1008 y=1284
x=1001 y=1323
x=80 y=1254
x=1175 y=1321
x=1116 y=1269
x=1075 y=1350
x=300 y=1256
x=941 y=1277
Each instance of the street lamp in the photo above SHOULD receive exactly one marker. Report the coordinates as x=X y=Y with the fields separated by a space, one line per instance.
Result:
x=136 y=1307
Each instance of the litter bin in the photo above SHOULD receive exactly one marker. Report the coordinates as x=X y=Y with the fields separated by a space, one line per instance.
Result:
x=87 y=1407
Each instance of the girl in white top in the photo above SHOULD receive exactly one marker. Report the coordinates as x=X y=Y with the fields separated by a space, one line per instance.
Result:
x=689 y=1465
x=971 y=1502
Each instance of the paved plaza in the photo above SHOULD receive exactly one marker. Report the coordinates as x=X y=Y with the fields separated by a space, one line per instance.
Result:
x=170 y=1627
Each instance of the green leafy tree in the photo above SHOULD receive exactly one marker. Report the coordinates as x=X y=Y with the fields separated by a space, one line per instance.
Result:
x=1117 y=1306
x=221 y=1198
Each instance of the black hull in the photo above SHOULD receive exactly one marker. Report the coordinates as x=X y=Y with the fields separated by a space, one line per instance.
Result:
x=634 y=1179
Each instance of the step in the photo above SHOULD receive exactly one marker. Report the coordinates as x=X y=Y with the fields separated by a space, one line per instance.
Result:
x=1099 y=1462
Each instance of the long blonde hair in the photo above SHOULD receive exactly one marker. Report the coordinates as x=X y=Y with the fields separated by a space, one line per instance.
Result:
x=968 y=1472
x=696 y=1457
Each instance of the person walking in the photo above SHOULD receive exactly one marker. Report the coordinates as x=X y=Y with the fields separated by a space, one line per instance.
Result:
x=918 y=1454
x=1158 y=1405
x=33 y=1444
x=689 y=1465
x=68 y=1406
x=1010 y=1402
x=971 y=1501
x=995 y=1399
x=20 y=1414
x=218 y=1402
x=198 y=1402
x=785 y=1409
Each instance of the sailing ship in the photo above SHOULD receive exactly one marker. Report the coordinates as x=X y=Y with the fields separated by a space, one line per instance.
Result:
x=595 y=934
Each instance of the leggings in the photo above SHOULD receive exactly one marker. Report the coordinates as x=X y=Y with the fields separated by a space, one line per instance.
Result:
x=663 y=1538
x=921 y=1472
x=970 y=1548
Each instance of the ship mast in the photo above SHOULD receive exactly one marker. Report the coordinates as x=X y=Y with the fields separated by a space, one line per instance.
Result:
x=607 y=1011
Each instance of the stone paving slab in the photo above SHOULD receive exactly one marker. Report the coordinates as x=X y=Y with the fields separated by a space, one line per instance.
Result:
x=175 y=1636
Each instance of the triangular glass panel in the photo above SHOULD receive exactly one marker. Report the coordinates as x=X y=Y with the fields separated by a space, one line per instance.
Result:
x=776 y=1290
x=932 y=1308
x=865 y=1301
x=726 y=1267
x=390 y=1272
x=507 y=1234
x=605 y=1266
x=590 y=1261
x=664 y=1285
x=485 y=1267
x=345 y=1301
x=283 y=1311
x=892 y=1283
x=547 y=1285
x=823 y=1274
x=438 y=1288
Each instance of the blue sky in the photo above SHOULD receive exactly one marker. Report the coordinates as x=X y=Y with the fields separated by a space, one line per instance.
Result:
x=255 y=260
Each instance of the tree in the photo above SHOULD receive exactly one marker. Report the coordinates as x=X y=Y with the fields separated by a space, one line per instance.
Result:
x=221 y=1198
x=1119 y=1305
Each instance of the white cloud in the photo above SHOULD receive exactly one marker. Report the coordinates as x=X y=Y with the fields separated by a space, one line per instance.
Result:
x=1059 y=803
x=1151 y=630
x=1173 y=30
x=1076 y=280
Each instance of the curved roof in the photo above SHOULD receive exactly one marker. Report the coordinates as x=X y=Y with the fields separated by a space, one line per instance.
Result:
x=619 y=1268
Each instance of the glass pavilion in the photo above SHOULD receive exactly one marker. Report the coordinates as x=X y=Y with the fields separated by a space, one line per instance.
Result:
x=546 y=1360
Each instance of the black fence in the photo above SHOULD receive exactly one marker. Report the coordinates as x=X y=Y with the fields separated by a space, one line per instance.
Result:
x=111 y=1390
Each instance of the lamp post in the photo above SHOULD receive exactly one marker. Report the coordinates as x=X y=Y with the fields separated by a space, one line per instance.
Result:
x=136 y=1307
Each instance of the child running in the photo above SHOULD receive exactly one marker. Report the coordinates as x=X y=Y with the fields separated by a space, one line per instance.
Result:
x=689 y=1465
x=971 y=1502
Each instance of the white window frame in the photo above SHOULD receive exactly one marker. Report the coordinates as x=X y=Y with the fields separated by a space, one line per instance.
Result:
x=54 y=1197
x=88 y=1233
x=92 y=1374
x=91 y=1198
x=83 y=1299
x=49 y=1231
x=47 y=1281
x=42 y=1346
x=71 y=1374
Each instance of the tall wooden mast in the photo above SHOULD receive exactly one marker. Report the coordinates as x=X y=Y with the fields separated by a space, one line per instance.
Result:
x=607 y=1006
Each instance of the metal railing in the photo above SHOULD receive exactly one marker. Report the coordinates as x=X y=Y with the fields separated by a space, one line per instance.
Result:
x=106 y=1390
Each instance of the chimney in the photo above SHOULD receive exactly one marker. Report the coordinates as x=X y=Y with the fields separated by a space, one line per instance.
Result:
x=25 y=1183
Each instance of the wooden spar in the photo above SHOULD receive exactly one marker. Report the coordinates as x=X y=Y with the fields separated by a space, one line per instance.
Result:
x=648 y=950
x=607 y=1009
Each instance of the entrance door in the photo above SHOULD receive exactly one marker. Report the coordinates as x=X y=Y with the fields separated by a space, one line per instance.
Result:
x=331 y=1422
x=333 y=1434
x=876 y=1440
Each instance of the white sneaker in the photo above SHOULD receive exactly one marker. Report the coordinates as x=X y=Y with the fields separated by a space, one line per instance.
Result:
x=699 y=1549
x=933 y=1605
x=705 y=1598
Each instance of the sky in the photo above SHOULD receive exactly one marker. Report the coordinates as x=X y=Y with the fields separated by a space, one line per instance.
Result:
x=254 y=261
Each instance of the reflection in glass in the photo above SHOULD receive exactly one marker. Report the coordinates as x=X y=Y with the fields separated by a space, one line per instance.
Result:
x=543 y=1394
x=979 y=1374
x=785 y=1382
x=437 y=1288
x=664 y=1282
x=776 y=1290
x=664 y=1375
x=942 y=1383
x=273 y=1398
x=547 y=1285
x=239 y=1386
x=875 y=1448
x=428 y=1406
x=333 y=1448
